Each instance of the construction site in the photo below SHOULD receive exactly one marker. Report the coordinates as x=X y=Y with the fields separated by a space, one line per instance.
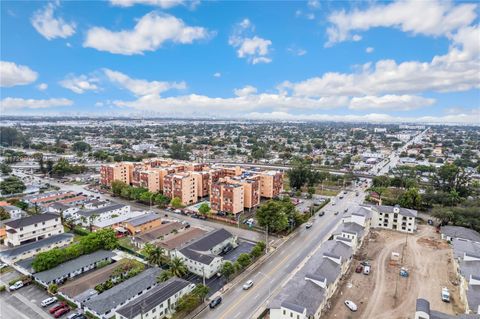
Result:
x=403 y=267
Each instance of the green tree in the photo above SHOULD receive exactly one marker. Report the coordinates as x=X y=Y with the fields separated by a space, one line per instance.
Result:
x=176 y=202
x=299 y=174
x=164 y=276
x=154 y=255
x=451 y=177
x=272 y=215
x=179 y=151
x=244 y=260
x=117 y=187
x=177 y=267
x=53 y=288
x=256 y=251
x=4 y=214
x=162 y=200
x=410 y=199
x=10 y=136
x=12 y=185
x=204 y=209
x=81 y=147
x=201 y=291
x=5 y=168
x=227 y=270
x=381 y=181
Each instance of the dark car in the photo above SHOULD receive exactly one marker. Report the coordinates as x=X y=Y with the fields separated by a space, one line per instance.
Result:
x=321 y=213
x=359 y=269
x=215 y=302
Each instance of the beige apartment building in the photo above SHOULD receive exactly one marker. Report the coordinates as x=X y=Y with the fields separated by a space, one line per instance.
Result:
x=227 y=197
x=181 y=185
x=271 y=183
x=116 y=172
x=251 y=189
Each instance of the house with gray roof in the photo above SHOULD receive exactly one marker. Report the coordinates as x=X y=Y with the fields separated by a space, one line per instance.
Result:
x=104 y=305
x=466 y=255
x=15 y=212
x=18 y=253
x=160 y=301
x=423 y=311
x=394 y=218
x=450 y=232
x=73 y=268
x=307 y=292
x=202 y=256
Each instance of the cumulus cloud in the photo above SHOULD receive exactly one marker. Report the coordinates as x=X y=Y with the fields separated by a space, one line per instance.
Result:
x=431 y=18
x=453 y=72
x=141 y=87
x=49 y=26
x=149 y=34
x=163 y=4
x=390 y=102
x=369 y=50
x=13 y=74
x=42 y=86
x=251 y=47
x=245 y=91
x=11 y=103
x=80 y=84
x=217 y=74
x=294 y=50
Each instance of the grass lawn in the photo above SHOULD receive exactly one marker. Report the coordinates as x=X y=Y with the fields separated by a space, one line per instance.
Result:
x=125 y=242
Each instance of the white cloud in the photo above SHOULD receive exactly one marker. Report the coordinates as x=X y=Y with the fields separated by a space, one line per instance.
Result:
x=245 y=91
x=11 y=103
x=141 y=87
x=390 y=102
x=99 y=104
x=254 y=48
x=296 y=51
x=42 y=86
x=13 y=74
x=431 y=18
x=149 y=34
x=49 y=26
x=186 y=104
x=163 y=4
x=217 y=74
x=356 y=37
x=80 y=84
x=315 y=4
x=453 y=72
x=306 y=15
x=462 y=118
x=369 y=50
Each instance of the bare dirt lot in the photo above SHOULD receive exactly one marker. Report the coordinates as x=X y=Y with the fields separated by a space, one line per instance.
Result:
x=384 y=293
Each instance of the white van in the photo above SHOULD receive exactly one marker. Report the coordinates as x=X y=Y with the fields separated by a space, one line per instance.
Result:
x=366 y=270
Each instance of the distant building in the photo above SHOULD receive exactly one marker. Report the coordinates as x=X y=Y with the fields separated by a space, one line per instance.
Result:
x=181 y=185
x=116 y=172
x=33 y=228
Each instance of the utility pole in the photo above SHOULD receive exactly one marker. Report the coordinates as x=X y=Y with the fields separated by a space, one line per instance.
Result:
x=266 y=240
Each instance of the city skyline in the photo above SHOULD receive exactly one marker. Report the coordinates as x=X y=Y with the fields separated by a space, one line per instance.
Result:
x=326 y=61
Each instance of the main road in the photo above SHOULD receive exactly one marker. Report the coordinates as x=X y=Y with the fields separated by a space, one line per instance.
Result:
x=270 y=276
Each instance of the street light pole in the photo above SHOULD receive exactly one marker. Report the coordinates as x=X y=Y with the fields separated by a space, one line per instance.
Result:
x=266 y=240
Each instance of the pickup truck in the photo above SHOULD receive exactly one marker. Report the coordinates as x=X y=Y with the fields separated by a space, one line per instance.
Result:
x=25 y=281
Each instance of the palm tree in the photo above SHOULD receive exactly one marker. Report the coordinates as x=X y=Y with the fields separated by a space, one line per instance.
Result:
x=157 y=256
x=177 y=267
x=164 y=276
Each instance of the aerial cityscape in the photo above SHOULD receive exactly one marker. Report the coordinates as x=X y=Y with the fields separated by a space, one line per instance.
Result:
x=240 y=159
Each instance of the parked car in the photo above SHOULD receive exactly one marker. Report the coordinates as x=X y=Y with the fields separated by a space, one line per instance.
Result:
x=321 y=214
x=2 y=265
x=17 y=285
x=77 y=316
x=351 y=305
x=336 y=213
x=248 y=285
x=215 y=302
x=57 y=307
x=445 y=294
x=365 y=263
x=177 y=211
x=60 y=312
x=48 y=301
x=359 y=269
x=366 y=270
x=308 y=225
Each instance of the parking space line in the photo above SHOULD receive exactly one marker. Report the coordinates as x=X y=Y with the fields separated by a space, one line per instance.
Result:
x=32 y=306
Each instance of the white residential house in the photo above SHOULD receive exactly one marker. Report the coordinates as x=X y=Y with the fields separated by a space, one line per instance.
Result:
x=14 y=211
x=30 y=229
x=85 y=217
x=66 y=210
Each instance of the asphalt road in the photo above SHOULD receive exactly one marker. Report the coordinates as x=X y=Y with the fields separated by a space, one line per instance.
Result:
x=283 y=263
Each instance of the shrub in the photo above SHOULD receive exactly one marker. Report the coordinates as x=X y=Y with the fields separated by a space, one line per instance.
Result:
x=244 y=260
x=2 y=288
x=53 y=288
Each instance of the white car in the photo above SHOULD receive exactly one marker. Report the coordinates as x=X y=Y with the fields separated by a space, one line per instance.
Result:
x=48 y=301
x=308 y=225
x=351 y=305
x=2 y=265
x=248 y=285
x=15 y=286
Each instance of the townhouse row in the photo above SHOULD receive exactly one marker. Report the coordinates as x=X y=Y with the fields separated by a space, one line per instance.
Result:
x=231 y=190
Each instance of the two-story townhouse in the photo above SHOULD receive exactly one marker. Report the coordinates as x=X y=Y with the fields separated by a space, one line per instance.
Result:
x=32 y=228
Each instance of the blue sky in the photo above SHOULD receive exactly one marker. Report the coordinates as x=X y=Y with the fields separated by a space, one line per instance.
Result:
x=342 y=61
